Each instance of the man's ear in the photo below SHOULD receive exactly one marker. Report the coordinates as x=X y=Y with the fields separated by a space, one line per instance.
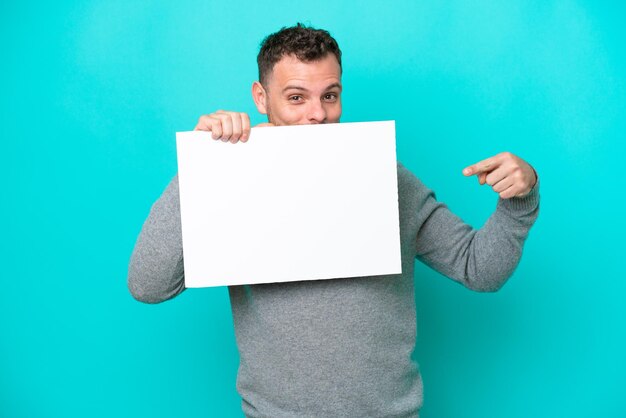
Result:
x=260 y=97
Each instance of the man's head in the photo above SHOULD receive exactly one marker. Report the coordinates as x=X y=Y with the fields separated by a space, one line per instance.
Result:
x=299 y=77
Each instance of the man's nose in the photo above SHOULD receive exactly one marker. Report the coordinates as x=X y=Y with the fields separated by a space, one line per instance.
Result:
x=316 y=112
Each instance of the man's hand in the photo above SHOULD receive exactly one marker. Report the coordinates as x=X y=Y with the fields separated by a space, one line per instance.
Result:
x=227 y=126
x=507 y=174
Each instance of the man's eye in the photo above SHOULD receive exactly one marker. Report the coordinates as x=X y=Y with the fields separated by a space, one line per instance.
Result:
x=295 y=98
x=330 y=97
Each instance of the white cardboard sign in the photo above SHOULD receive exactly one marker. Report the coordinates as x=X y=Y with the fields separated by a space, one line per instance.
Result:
x=293 y=203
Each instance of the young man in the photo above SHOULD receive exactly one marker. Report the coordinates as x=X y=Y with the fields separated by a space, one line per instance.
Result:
x=341 y=347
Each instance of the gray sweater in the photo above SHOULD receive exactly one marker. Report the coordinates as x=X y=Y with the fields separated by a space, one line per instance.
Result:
x=341 y=347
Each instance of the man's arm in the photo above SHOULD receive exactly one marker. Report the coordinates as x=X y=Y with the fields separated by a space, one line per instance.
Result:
x=480 y=259
x=156 y=273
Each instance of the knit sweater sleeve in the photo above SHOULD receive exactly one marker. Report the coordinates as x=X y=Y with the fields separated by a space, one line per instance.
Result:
x=481 y=259
x=155 y=273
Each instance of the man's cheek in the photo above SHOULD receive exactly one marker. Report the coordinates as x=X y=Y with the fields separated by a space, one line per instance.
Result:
x=335 y=114
x=293 y=115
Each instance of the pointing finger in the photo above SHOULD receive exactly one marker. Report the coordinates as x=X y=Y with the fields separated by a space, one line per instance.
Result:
x=483 y=166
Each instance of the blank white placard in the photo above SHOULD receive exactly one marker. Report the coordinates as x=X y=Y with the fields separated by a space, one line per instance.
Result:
x=293 y=203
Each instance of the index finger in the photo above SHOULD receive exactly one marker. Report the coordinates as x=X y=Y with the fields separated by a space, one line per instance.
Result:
x=483 y=166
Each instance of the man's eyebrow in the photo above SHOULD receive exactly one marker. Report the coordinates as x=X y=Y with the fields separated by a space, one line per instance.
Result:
x=294 y=88
x=291 y=87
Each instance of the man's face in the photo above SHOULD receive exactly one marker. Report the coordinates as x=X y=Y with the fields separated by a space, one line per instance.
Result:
x=301 y=93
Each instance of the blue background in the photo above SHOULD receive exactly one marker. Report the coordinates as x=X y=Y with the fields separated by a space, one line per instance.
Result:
x=92 y=93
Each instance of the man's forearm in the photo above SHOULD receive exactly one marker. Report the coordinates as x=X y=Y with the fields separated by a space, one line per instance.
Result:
x=481 y=259
x=156 y=273
x=497 y=247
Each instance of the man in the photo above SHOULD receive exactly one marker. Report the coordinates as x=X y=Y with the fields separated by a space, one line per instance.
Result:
x=341 y=347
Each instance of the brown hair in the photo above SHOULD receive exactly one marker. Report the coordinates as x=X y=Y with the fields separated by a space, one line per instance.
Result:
x=306 y=43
